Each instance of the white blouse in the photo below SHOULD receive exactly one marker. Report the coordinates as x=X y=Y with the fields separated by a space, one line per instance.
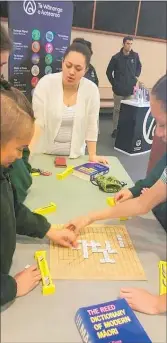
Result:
x=48 y=109
x=62 y=142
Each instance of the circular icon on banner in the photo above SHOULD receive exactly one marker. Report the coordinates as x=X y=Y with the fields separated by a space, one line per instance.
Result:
x=36 y=34
x=29 y=7
x=35 y=59
x=49 y=48
x=35 y=70
x=148 y=127
x=49 y=36
x=48 y=70
x=35 y=46
x=34 y=81
x=48 y=59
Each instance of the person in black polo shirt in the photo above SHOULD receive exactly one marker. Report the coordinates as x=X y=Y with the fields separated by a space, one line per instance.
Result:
x=123 y=72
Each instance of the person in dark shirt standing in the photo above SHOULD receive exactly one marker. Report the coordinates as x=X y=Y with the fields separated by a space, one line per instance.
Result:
x=123 y=72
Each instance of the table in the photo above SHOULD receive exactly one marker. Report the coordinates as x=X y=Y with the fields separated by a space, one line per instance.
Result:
x=35 y=318
x=135 y=128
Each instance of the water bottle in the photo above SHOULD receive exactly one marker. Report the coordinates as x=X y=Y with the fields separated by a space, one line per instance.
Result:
x=141 y=95
x=136 y=93
x=147 y=95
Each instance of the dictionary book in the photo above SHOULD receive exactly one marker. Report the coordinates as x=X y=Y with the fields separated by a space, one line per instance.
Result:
x=89 y=170
x=111 y=322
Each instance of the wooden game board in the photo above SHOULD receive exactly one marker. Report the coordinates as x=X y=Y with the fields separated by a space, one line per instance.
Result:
x=70 y=264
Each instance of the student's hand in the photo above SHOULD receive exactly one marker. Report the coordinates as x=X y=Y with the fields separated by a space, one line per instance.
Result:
x=78 y=224
x=144 y=190
x=65 y=237
x=98 y=159
x=123 y=195
x=27 y=280
x=140 y=300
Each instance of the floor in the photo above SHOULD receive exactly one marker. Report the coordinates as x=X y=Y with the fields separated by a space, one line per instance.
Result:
x=136 y=166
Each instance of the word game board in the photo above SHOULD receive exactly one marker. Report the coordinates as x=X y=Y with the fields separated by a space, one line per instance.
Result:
x=104 y=252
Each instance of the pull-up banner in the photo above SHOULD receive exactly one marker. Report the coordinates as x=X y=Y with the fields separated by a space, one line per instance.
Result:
x=41 y=33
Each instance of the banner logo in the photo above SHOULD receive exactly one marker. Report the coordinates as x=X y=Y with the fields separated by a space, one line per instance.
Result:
x=148 y=131
x=138 y=142
x=29 y=7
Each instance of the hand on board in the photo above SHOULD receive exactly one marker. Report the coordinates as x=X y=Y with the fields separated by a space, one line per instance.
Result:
x=123 y=195
x=98 y=159
x=78 y=224
x=65 y=237
x=27 y=280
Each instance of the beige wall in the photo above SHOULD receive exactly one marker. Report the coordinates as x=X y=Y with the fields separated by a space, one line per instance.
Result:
x=152 y=55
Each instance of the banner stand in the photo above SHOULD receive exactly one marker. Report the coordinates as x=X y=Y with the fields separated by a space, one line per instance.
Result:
x=41 y=33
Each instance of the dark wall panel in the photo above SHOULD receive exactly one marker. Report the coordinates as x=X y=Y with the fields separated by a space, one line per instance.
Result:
x=116 y=16
x=152 y=19
x=83 y=13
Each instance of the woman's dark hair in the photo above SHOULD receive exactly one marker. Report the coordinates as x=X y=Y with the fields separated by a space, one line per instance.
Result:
x=5 y=41
x=83 y=41
x=160 y=91
x=17 y=96
x=82 y=49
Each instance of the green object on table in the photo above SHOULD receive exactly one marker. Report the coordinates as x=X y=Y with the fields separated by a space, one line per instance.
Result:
x=108 y=184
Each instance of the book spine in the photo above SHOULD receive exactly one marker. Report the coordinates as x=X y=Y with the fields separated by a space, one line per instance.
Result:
x=82 y=327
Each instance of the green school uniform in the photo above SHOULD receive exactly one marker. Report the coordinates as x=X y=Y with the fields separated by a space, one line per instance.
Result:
x=15 y=218
x=20 y=174
x=155 y=174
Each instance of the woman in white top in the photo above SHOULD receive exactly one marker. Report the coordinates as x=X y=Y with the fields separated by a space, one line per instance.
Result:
x=66 y=107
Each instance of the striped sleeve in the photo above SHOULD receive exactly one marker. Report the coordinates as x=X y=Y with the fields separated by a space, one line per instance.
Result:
x=163 y=177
